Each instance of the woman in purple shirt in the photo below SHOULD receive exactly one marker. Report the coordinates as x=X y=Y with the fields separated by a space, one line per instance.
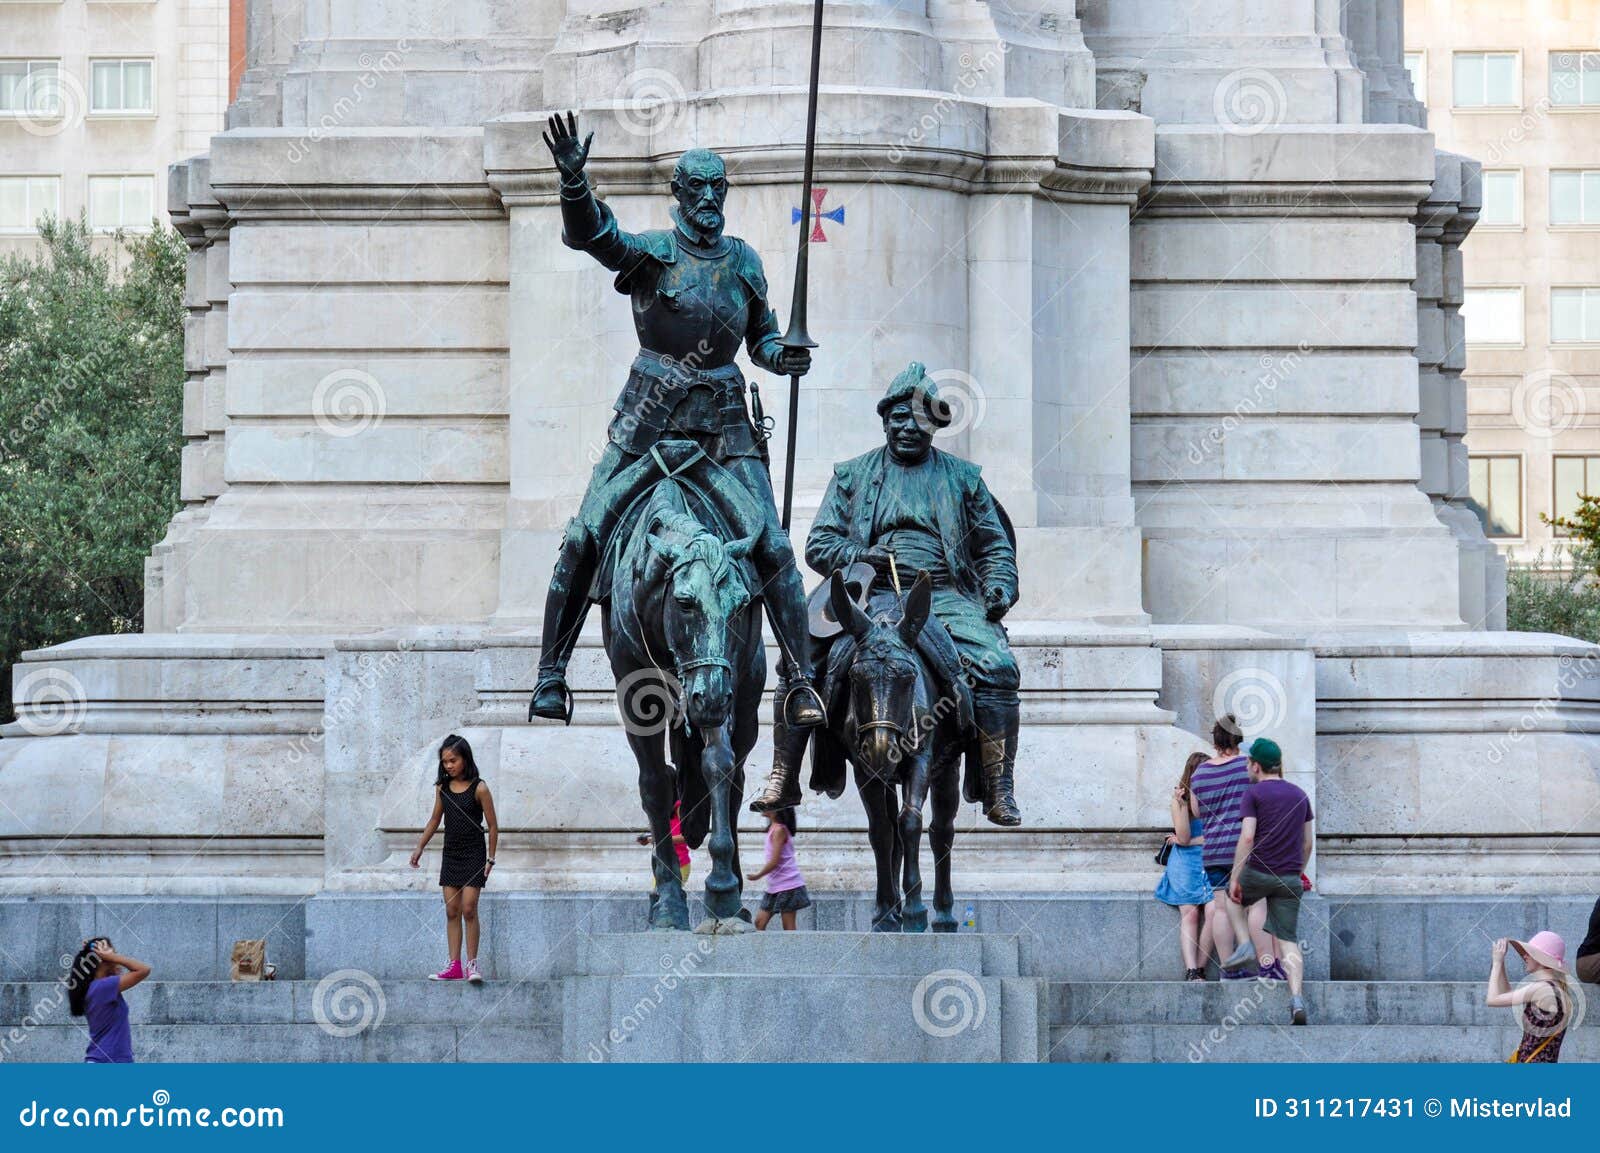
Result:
x=95 y=986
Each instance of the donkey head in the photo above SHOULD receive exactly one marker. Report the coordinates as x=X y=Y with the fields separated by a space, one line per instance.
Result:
x=883 y=676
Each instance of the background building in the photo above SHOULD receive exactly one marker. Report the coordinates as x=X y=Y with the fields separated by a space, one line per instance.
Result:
x=1516 y=86
x=97 y=98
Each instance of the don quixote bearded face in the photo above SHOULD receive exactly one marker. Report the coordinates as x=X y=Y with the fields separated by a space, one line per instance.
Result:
x=705 y=590
x=700 y=185
x=883 y=677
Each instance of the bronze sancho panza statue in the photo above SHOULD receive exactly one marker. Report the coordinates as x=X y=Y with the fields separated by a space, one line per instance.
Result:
x=930 y=511
x=697 y=295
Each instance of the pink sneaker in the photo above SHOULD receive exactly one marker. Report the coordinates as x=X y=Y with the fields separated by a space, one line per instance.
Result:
x=451 y=972
x=472 y=972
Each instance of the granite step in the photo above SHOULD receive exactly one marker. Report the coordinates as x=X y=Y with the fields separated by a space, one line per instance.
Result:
x=347 y=1017
x=336 y=998
x=1097 y=1003
x=775 y=953
x=1407 y=1021
x=674 y=1013
x=392 y=1042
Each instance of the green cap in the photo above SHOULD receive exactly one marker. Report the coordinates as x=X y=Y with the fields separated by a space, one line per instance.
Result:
x=1266 y=753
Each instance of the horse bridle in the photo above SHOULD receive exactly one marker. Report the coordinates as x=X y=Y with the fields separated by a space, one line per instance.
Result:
x=681 y=669
x=892 y=728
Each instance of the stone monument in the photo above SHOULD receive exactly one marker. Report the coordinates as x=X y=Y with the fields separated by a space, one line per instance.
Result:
x=1189 y=270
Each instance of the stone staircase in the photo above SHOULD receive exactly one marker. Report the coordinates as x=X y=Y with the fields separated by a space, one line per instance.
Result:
x=1074 y=977
x=818 y=996
x=634 y=997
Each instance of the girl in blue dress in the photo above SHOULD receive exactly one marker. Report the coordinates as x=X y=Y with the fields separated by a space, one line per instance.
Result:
x=1184 y=884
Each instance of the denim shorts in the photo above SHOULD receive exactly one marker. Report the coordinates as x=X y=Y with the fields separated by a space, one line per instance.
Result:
x=1217 y=876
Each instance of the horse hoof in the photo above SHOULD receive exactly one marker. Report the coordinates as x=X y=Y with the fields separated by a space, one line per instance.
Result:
x=669 y=911
x=723 y=906
x=944 y=924
x=886 y=925
x=914 y=922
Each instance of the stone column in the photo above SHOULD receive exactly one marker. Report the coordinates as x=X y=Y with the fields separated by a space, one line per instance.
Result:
x=1048 y=417
x=364 y=342
x=1376 y=32
x=1483 y=568
x=644 y=54
x=1275 y=446
x=1247 y=62
x=641 y=52
x=205 y=226
x=362 y=63
x=1433 y=400
x=1392 y=52
x=1017 y=48
x=272 y=27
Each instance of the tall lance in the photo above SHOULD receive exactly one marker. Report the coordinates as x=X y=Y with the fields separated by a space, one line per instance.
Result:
x=797 y=336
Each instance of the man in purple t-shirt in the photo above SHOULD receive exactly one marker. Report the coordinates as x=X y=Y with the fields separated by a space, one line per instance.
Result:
x=1275 y=841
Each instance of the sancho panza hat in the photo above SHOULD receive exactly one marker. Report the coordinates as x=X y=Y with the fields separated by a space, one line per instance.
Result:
x=857 y=582
x=914 y=385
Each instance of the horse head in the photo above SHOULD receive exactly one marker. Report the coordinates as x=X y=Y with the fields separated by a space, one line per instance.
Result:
x=883 y=677
x=705 y=593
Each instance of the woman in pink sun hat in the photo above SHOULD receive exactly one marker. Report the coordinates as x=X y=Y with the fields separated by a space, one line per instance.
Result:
x=1544 y=999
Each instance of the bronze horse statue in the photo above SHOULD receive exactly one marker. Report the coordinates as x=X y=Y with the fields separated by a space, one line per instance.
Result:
x=682 y=629
x=904 y=740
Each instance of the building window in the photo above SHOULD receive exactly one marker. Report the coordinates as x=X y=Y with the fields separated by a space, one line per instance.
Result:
x=30 y=87
x=1575 y=196
x=126 y=202
x=1575 y=476
x=1502 y=197
x=1492 y=315
x=1496 y=488
x=24 y=199
x=1574 y=79
x=1575 y=315
x=1417 y=66
x=122 y=87
x=1486 y=80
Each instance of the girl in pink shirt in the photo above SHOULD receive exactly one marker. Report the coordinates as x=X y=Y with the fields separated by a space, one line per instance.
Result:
x=786 y=888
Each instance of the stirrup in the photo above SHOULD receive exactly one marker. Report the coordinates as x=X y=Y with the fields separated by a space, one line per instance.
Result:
x=544 y=683
x=802 y=685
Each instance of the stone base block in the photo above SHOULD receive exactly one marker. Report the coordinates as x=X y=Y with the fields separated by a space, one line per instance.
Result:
x=802 y=997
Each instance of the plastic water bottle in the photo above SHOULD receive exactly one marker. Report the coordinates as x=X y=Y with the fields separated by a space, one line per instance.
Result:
x=972 y=918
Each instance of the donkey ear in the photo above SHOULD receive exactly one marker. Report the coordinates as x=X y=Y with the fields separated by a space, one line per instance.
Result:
x=845 y=610
x=664 y=549
x=740 y=549
x=915 y=614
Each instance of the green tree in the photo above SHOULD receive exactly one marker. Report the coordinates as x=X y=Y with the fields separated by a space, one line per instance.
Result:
x=1583 y=527
x=91 y=400
x=1560 y=593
